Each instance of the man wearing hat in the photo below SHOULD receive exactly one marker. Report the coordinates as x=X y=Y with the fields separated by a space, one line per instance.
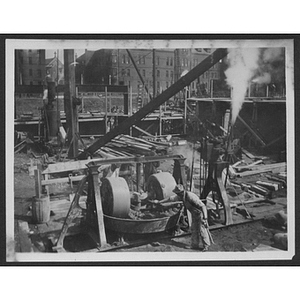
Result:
x=199 y=216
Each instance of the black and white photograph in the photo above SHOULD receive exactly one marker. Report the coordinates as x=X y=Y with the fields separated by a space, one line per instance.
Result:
x=150 y=150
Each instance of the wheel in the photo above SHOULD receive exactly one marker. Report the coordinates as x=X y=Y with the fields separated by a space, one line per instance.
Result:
x=161 y=185
x=115 y=197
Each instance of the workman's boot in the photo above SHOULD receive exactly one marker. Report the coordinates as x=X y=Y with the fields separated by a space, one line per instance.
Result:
x=205 y=249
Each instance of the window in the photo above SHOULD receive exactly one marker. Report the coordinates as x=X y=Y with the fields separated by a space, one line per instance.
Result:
x=157 y=86
x=141 y=60
x=167 y=62
x=167 y=84
x=171 y=74
x=123 y=59
x=30 y=60
x=158 y=73
x=128 y=72
x=30 y=72
x=157 y=60
x=167 y=73
x=114 y=72
x=123 y=72
x=38 y=72
x=144 y=73
x=171 y=61
x=114 y=58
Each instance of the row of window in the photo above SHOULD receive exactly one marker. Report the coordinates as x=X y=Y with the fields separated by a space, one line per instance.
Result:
x=143 y=73
x=141 y=60
x=150 y=84
x=160 y=84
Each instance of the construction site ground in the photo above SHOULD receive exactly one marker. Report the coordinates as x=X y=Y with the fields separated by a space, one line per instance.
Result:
x=253 y=230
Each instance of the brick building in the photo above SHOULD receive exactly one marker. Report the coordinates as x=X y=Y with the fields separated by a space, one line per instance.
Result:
x=30 y=67
x=113 y=66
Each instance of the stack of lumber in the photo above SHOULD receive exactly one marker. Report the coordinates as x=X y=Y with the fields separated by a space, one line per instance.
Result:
x=253 y=169
x=128 y=146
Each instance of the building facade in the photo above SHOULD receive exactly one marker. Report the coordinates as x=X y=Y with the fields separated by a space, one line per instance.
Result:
x=30 y=67
x=55 y=70
x=114 y=67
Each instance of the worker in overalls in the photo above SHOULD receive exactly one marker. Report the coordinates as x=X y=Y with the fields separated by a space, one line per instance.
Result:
x=199 y=226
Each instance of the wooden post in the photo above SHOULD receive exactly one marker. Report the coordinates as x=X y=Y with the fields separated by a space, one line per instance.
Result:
x=125 y=95
x=185 y=112
x=38 y=182
x=154 y=75
x=70 y=108
x=138 y=176
x=106 y=108
x=130 y=101
x=100 y=217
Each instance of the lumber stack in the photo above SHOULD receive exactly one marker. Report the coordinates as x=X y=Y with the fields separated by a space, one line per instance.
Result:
x=128 y=146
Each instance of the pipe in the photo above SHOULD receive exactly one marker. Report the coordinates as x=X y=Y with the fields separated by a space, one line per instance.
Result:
x=185 y=80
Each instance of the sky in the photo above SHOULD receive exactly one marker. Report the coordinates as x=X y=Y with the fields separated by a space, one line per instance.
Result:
x=50 y=53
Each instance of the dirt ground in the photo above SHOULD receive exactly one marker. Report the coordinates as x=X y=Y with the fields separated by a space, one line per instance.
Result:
x=250 y=236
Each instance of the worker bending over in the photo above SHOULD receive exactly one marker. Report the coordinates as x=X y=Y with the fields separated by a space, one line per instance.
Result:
x=197 y=208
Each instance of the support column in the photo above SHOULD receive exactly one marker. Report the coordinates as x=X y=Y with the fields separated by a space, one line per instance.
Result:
x=70 y=107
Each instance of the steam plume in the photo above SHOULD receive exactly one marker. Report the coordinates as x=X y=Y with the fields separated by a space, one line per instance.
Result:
x=261 y=65
x=242 y=65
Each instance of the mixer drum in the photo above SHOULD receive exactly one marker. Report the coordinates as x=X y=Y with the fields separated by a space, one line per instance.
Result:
x=115 y=197
x=161 y=185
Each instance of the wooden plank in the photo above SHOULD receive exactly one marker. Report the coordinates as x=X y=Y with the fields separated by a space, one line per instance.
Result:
x=250 y=166
x=142 y=131
x=100 y=217
x=248 y=154
x=68 y=166
x=274 y=168
x=61 y=180
x=251 y=130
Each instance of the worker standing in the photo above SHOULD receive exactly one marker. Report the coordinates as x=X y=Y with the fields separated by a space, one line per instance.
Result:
x=197 y=208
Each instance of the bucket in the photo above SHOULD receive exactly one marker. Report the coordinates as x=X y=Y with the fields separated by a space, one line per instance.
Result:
x=41 y=209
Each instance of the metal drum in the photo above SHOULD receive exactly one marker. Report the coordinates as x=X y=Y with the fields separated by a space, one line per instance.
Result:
x=161 y=185
x=115 y=197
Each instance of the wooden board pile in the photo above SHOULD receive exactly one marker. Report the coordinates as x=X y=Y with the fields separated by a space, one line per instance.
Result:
x=257 y=178
x=128 y=146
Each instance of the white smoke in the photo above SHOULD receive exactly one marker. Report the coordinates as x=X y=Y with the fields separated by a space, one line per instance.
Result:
x=263 y=79
x=243 y=63
x=257 y=65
